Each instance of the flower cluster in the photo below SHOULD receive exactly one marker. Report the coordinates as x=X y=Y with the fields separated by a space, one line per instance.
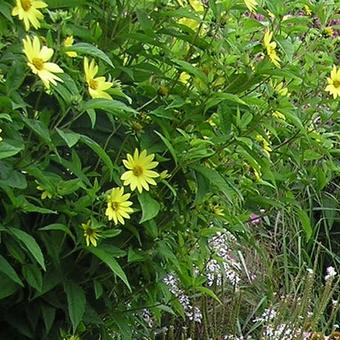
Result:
x=192 y=312
x=225 y=264
x=270 y=46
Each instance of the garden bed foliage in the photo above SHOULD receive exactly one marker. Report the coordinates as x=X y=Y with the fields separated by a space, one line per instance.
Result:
x=160 y=158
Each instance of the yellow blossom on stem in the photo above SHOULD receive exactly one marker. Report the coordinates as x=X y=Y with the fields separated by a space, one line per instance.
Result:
x=281 y=90
x=333 y=86
x=307 y=9
x=265 y=145
x=37 y=60
x=97 y=86
x=118 y=206
x=139 y=174
x=251 y=4
x=91 y=235
x=67 y=43
x=278 y=115
x=271 y=48
x=45 y=194
x=28 y=11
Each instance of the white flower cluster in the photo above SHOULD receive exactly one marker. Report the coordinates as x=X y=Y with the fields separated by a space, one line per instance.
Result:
x=147 y=317
x=331 y=273
x=192 y=312
x=277 y=331
x=226 y=266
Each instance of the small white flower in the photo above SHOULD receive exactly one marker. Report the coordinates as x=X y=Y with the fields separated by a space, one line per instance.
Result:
x=331 y=273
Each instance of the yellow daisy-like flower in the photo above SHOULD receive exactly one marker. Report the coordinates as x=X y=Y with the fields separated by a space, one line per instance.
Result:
x=184 y=77
x=38 y=61
x=118 y=206
x=97 y=86
x=270 y=47
x=139 y=174
x=251 y=4
x=329 y=31
x=333 y=86
x=28 y=11
x=91 y=235
x=67 y=43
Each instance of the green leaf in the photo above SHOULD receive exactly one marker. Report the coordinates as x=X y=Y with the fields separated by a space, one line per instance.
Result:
x=64 y=3
x=209 y=292
x=187 y=67
x=221 y=97
x=168 y=145
x=150 y=207
x=33 y=276
x=76 y=302
x=8 y=270
x=39 y=128
x=48 y=314
x=305 y=221
x=8 y=287
x=71 y=138
x=58 y=227
x=108 y=259
x=99 y=151
x=215 y=179
x=115 y=107
x=10 y=148
x=98 y=289
x=30 y=243
x=85 y=48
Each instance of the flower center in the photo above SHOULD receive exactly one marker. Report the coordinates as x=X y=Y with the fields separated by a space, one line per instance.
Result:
x=137 y=170
x=38 y=63
x=115 y=206
x=93 y=84
x=89 y=232
x=336 y=83
x=26 y=4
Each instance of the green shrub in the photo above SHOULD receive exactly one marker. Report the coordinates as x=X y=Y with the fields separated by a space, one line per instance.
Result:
x=134 y=132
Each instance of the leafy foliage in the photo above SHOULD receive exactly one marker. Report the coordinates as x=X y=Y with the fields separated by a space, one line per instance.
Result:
x=238 y=126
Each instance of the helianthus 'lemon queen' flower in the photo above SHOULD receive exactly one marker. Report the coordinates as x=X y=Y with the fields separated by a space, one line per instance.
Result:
x=270 y=47
x=251 y=4
x=139 y=174
x=90 y=234
x=38 y=61
x=28 y=11
x=118 y=206
x=67 y=43
x=97 y=86
x=333 y=86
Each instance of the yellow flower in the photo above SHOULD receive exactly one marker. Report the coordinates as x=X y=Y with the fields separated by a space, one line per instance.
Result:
x=281 y=90
x=45 y=194
x=329 y=31
x=251 y=4
x=97 y=86
x=184 y=77
x=196 y=5
x=67 y=43
x=270 y=47
x=257 y=175
x=265 y=145
x=139 y=174
x=333 y=86
x=118 y=206
x=278 y=115
x=28 y=11
x=90 y=234
x=38 y=61
x=308 y=11
x=191 y=23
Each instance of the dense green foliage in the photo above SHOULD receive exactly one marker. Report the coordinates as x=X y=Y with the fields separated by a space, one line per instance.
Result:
x=236 y=134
